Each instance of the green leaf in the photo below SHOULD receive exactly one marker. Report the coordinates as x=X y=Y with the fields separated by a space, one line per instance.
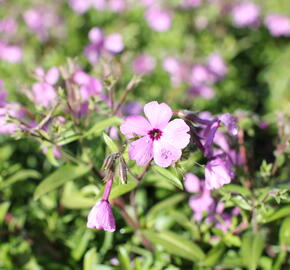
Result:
x=236 y=189
x=90 y=259
x=214 y=255
x=72 y=198
x=3 y=210
x=284 y=234
x=102 y=125
x=165 y=204
x=241 y=202
x=279 y=213
x=19 y=176
x=176 y=245
x=124 y=259
x=68 y=137
x=168 y=176
x=110 y=143
x=59 y=177
x=82 y=244
x=252 y=248
x=119 y=190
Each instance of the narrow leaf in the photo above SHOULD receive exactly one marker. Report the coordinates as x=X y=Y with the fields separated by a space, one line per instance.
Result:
x=59 y=177
x=168 y=176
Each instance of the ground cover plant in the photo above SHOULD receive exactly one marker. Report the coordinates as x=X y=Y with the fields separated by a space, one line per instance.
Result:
x=144 y=134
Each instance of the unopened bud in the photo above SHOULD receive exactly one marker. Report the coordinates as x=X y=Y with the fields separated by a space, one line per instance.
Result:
x=123 y=170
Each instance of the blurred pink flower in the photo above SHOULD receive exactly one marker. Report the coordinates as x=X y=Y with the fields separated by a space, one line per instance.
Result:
x=217 y=66
x=40 y=20
x=131 y=108
x=199 y=75
x=89 y=86
x=176 y=70
x=218 y=172
x=192 y=183
x=230 y=123
x=10 y=53
x=278 y=25
x=158 y=19
x=191 y=3
x=99 y=44
x=201 y=203
x=43 y=91
x=8 y=26
x=143 y=64
x=160 y=139
x=246 y=15
x=202 y=90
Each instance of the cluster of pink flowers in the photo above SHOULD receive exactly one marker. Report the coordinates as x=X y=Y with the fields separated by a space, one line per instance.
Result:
x=247 y=14
x=204 y=205
x=100 y=44
x=82 y=6
x=200 y=78
x=9 y=52
x=8 y=110
x=41 y=21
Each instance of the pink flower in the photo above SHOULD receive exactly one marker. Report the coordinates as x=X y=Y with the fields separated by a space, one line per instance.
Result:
x=191 y=3
x=199 y=75
x=160 y=139
x=112 y=44
x=216 y=66
x=143 y=64
x=192 y=183
x=101 y=215
x=278 y=25
x=246 y=15
x=230 y=123
x=176 y=69
x=8 y=26
x=10 y=53
x=89 y=86
x=43 y=91
x=159 y=20
x=202 y=90
x=201 y=203
x=218 y=172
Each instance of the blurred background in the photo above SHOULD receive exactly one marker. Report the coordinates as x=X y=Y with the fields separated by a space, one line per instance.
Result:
x=213 y=56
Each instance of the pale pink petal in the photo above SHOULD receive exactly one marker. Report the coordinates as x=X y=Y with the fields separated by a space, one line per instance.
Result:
x=135 y=125
x=114 y=43
x=164 y=153
x=96 y=35
x=141 y=150
x=192 y=183
x=176 y=133
x=52 y=76
x=158 y=114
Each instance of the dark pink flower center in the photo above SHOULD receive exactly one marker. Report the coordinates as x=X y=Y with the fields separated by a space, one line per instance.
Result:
x=155 y=134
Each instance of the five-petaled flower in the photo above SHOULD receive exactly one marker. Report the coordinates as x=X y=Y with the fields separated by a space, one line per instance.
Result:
x=160 y=139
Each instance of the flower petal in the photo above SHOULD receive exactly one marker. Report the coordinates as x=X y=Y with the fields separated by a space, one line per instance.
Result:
x=135 y=125
x=158 y=114
x=176 y=133
x=141 y=150
x=165 y=153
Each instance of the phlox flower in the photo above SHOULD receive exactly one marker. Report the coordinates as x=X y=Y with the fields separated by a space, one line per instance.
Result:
x=218 y=172
x=43 y=91
x=246 y=15
x=278 y=25
x=159 y=139
x=158 y=19
x=143 y=64
x=99 y=43
x=101 y=215
x=89 y=86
